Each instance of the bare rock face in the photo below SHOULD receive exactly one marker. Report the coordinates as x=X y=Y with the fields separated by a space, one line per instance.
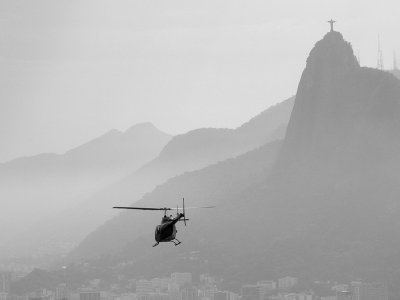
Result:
x=339 y=105
x=325 y=204
x=341 y=152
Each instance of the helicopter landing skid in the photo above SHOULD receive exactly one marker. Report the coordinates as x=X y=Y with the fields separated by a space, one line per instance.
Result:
x=176 y=242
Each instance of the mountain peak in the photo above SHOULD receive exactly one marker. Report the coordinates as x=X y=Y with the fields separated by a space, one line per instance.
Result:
x=335 y=99
x=141 y=127
x=332 y=52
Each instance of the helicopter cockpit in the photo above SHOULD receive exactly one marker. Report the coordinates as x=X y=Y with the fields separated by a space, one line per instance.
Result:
x=166 y=219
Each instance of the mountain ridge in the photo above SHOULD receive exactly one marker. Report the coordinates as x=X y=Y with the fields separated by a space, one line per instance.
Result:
x=323 y=204
x=209 y=149
x=167 y=166
x=49 y=183
x=309 y=213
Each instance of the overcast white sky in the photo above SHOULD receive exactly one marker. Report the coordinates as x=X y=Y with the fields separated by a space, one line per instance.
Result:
x=72 y=70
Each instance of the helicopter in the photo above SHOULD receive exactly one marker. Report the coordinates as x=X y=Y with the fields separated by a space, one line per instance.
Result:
x=166 y=231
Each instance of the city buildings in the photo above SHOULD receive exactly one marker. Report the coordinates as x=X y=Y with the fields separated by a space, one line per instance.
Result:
x=189 y=293
x=344 y=295
x=287 y=282
x=250 y=292
x=161 y=285
x=5 y=281
x=182 y=286
x=62 y=292
x=259 y=291
x=368 y=291
x=143 y=288
x=89 y=295
x=181 y=278
x=265 y=288
x=3 y=296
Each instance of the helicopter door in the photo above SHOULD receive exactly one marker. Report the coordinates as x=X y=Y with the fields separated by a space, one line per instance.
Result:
x=157 y=234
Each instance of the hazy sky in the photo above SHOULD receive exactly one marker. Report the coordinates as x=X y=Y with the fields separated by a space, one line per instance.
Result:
x=72 y=70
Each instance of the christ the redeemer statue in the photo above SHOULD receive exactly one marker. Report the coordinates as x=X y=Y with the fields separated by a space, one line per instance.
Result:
x=331 y=22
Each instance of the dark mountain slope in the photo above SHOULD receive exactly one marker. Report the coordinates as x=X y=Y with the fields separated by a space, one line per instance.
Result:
x=328 y=208
x=339 y=104
x=206 y=186
x=205 y=146
x=186 y=152
x=193 y=150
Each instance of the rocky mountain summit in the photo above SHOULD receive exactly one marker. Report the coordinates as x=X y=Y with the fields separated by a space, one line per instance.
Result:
x=323 y=203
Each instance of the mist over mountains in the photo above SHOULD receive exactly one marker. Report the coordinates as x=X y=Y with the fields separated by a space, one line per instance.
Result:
x=188 y=152
x=321 y=204
x=33 y=188
x=112 y=154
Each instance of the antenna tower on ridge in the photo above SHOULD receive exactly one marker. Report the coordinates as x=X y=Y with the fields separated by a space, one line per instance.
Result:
x=380 y=65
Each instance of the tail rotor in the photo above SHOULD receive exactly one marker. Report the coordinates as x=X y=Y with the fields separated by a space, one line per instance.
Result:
x=184 y=214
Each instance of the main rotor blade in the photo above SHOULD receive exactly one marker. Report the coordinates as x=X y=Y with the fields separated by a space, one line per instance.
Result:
x=142 y=208
x=195 y=207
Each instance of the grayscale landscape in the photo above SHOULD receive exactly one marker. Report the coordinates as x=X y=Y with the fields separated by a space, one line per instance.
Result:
x=213 y=150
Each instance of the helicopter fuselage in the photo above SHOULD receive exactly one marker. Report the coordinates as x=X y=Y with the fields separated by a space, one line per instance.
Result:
x=166 y=231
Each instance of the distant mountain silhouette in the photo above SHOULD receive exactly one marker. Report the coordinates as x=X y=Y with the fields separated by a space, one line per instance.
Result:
x=109 y=152
x=202 y=147
x=32 y=188
x=336 y=179
x=193 y=150
x=127 y=150
x=325 y=204
x=339 y=105
x=207 y=185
